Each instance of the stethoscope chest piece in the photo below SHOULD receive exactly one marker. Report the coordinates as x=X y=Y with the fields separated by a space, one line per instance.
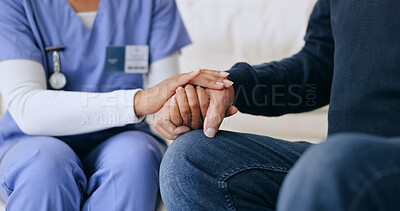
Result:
x=57 y=80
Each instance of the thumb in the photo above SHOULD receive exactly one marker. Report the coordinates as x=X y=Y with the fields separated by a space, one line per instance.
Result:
x=215 y=116
x=232 y=110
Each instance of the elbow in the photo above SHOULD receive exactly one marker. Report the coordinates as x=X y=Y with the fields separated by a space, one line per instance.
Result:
x=28 y=127
x=27 y=124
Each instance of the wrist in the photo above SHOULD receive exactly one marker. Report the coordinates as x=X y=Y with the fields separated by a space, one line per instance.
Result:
x=138 y=103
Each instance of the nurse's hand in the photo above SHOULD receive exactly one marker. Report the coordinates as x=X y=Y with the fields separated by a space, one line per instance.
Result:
x=152 y=100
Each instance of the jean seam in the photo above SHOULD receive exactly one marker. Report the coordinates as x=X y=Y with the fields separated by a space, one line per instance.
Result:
x=225 y=176
x=236 y=170
x=368 y=184
x=227 y=196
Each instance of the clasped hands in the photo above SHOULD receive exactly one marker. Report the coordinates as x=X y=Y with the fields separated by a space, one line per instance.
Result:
x=189 y=101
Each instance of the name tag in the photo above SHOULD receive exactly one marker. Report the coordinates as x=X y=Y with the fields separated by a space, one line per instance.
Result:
x=128 y=59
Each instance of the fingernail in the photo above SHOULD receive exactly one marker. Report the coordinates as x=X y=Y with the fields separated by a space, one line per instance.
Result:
x=222 y=73
x=179 y=88
x=219 y=83
x=228 y=82
x=210 y=133
x=196 y=71
x=173 y=101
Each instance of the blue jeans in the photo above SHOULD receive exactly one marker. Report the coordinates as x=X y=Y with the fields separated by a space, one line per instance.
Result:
x=247 y=172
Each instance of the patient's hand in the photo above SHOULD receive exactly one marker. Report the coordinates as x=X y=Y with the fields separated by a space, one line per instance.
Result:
x=220 y=107
x=183 y=112
x=187 y=109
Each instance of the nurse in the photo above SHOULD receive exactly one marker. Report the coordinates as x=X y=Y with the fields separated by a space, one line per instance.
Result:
x=72 y=74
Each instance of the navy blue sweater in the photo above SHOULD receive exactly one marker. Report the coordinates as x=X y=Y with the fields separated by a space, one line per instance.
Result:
x=351 y=60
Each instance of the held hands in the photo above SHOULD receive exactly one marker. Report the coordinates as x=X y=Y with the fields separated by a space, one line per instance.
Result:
x=151 y=100
x=191 y=107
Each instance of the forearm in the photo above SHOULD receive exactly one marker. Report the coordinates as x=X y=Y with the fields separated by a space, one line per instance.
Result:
x=294 y=85
x=55 y=113
x=38 y=111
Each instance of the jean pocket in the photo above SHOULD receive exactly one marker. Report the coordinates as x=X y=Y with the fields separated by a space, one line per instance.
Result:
x=223 y=179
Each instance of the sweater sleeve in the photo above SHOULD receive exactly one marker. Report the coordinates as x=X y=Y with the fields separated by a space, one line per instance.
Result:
x=297 y=84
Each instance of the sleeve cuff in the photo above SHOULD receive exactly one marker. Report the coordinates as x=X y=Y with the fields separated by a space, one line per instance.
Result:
x=242 y=74
x=137 y=118
x=126 y=106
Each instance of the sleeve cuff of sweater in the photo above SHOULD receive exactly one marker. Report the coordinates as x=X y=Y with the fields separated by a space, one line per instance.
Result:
x=243 y=77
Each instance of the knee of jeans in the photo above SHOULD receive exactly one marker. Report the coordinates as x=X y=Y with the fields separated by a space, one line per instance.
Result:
x=183 y=148
x=41 y=163
x=177 y=162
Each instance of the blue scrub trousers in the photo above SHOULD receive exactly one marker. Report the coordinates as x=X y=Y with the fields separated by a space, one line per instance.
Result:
x=44 y=173
x=237 y=171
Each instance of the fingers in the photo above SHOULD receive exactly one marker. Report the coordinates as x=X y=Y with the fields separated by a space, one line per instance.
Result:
x=171 y=132
x=220 y=103
x=183 y=105
x=154 y=98
x=232 y=110
x=195 y=122
x=217 y=74
x=212 y=79
x=165 y=127
x=214 y=118
x=204 y=101
x=174 y=112
x=186 y=77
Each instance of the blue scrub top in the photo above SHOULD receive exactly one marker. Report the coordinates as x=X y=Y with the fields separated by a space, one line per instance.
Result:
x=29 y=26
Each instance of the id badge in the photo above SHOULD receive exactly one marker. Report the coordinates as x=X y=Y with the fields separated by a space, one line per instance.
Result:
x=131 y=59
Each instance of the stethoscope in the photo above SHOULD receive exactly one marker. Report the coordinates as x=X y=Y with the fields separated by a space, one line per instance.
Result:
x=57 y=80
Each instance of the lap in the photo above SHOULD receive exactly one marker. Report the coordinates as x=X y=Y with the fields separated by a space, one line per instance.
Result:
x=238 y=170
x=39 y=163
x=129 y=146
x=354 y=171
x=355 y=150
x=123 y=172
x=37 y=148
x=231 y=152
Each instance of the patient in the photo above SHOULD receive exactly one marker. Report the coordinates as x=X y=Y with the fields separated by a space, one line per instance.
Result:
x=351 y=61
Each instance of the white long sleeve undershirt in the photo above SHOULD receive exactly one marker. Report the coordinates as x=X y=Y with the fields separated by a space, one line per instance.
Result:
x=38 y=111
